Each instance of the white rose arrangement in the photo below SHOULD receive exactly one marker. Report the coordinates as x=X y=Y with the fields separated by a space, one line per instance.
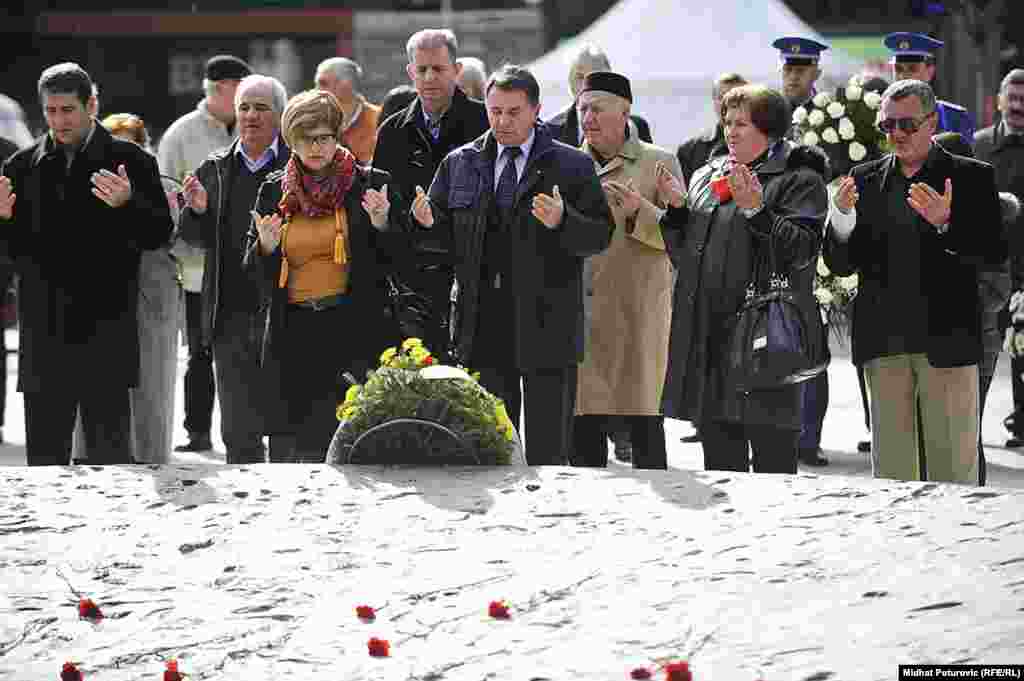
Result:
x=844 y=124
x=835 y=294
x=847 y=130
x=835 y=110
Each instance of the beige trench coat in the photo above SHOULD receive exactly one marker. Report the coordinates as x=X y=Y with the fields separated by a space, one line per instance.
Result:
x=628 y=298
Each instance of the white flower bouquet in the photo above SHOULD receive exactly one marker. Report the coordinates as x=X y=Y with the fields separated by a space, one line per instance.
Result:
x=844 y=125
x=835 y=294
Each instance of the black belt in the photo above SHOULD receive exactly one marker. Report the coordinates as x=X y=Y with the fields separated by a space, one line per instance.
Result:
x=325 y=303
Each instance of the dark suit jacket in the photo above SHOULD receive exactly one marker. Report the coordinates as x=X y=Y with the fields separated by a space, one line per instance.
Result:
x=949 y=262
x=405 y=150
x=565 y=127
x=78 y=261
x=695 y=152
x=546 y=264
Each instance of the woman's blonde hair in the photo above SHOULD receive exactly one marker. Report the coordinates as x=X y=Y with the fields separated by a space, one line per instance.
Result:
x=308 y=110
x=122 y=124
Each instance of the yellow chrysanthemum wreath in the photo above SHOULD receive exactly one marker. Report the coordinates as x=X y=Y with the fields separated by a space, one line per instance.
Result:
x=409 y=383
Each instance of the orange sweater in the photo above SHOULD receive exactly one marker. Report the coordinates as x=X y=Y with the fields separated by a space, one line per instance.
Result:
x=361 y=138
x=314 y=267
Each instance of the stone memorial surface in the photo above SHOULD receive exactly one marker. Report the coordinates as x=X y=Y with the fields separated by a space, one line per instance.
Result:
x=255 y=572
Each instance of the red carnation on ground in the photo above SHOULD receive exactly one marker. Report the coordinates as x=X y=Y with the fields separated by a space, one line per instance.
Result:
x=69 y=672
x=499 y=610
x=378 y=647
x=678 y=671
x=88 y=609
x=172 y=673
x=365 y=612
x=641 y=673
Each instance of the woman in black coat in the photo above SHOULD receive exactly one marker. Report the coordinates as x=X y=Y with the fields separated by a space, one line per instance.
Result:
x=321 y=229
x=778 y=196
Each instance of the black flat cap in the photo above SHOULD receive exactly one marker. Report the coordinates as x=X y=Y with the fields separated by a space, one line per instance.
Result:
x=606 y=81
x=226 y=67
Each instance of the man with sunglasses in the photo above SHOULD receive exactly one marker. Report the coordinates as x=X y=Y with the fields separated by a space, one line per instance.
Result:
x=913 y=58
x=916 y=318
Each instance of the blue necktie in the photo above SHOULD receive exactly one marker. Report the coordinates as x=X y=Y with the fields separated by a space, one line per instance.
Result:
x=505 y=195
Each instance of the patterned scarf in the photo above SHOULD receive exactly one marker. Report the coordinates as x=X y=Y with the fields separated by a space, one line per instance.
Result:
x=316 y=196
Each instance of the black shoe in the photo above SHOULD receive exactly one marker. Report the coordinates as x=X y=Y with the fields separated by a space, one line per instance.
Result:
x=813 y=458
x=1014 y=442
x=689 y=439
x=864 y=446
x=196 y=443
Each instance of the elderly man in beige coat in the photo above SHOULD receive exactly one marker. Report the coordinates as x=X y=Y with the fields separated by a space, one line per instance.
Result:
x=628 y=299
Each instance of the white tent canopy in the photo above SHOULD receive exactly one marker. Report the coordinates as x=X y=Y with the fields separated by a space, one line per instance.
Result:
x=672 y=50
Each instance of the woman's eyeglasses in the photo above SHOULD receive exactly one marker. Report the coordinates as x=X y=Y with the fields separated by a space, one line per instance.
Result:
x=318 y=141
x=909 y=125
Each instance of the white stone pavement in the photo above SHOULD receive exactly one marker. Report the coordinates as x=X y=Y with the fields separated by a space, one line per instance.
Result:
x=844 y=427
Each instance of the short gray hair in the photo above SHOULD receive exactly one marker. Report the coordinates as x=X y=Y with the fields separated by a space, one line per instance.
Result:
x=474 y=73
x=278 y=95
x=343 y=69
x=902 y=89
x=430 y=39
x=591 y=56
x=1014 y=77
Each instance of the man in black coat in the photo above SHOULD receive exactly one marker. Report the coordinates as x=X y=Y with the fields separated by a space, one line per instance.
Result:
x=520 y=211
x=220 y=198
x=917 y=316
x=411 y=144
x=1002 y=145
x=77 y=208
x=565 y=125
x=695 y=152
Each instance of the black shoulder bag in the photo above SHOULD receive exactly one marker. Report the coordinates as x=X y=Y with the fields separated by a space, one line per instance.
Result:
x=775 y=340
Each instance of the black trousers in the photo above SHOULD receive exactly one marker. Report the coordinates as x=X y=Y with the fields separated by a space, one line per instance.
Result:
x=727 y=447
x=50 y=424
x=434 y=282
x=547 y=397
x=199 y=383
x=313 y=358
x=590 y=448
x=236 y=352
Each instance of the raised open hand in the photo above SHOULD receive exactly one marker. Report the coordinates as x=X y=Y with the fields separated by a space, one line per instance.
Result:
x=113 y=189
x=196 y=197
x=847 y=195
x=376 y=204
x=549 y=209
x=934 y=207
x=671 y=190
x=270 y=230
x=624 y=195
x=746 y=188
x=7 y=197
x=421 y=208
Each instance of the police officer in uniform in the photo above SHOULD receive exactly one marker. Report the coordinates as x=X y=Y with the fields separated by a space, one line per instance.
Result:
x=913 y=57
x=800 y=71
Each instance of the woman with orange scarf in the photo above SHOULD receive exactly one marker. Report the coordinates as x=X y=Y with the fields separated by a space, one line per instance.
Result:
x=322 y=230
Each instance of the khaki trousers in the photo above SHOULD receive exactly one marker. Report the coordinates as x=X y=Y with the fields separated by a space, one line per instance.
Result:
x=949 y=419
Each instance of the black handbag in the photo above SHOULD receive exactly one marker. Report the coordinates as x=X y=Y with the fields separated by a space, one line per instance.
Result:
x=775 y=340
